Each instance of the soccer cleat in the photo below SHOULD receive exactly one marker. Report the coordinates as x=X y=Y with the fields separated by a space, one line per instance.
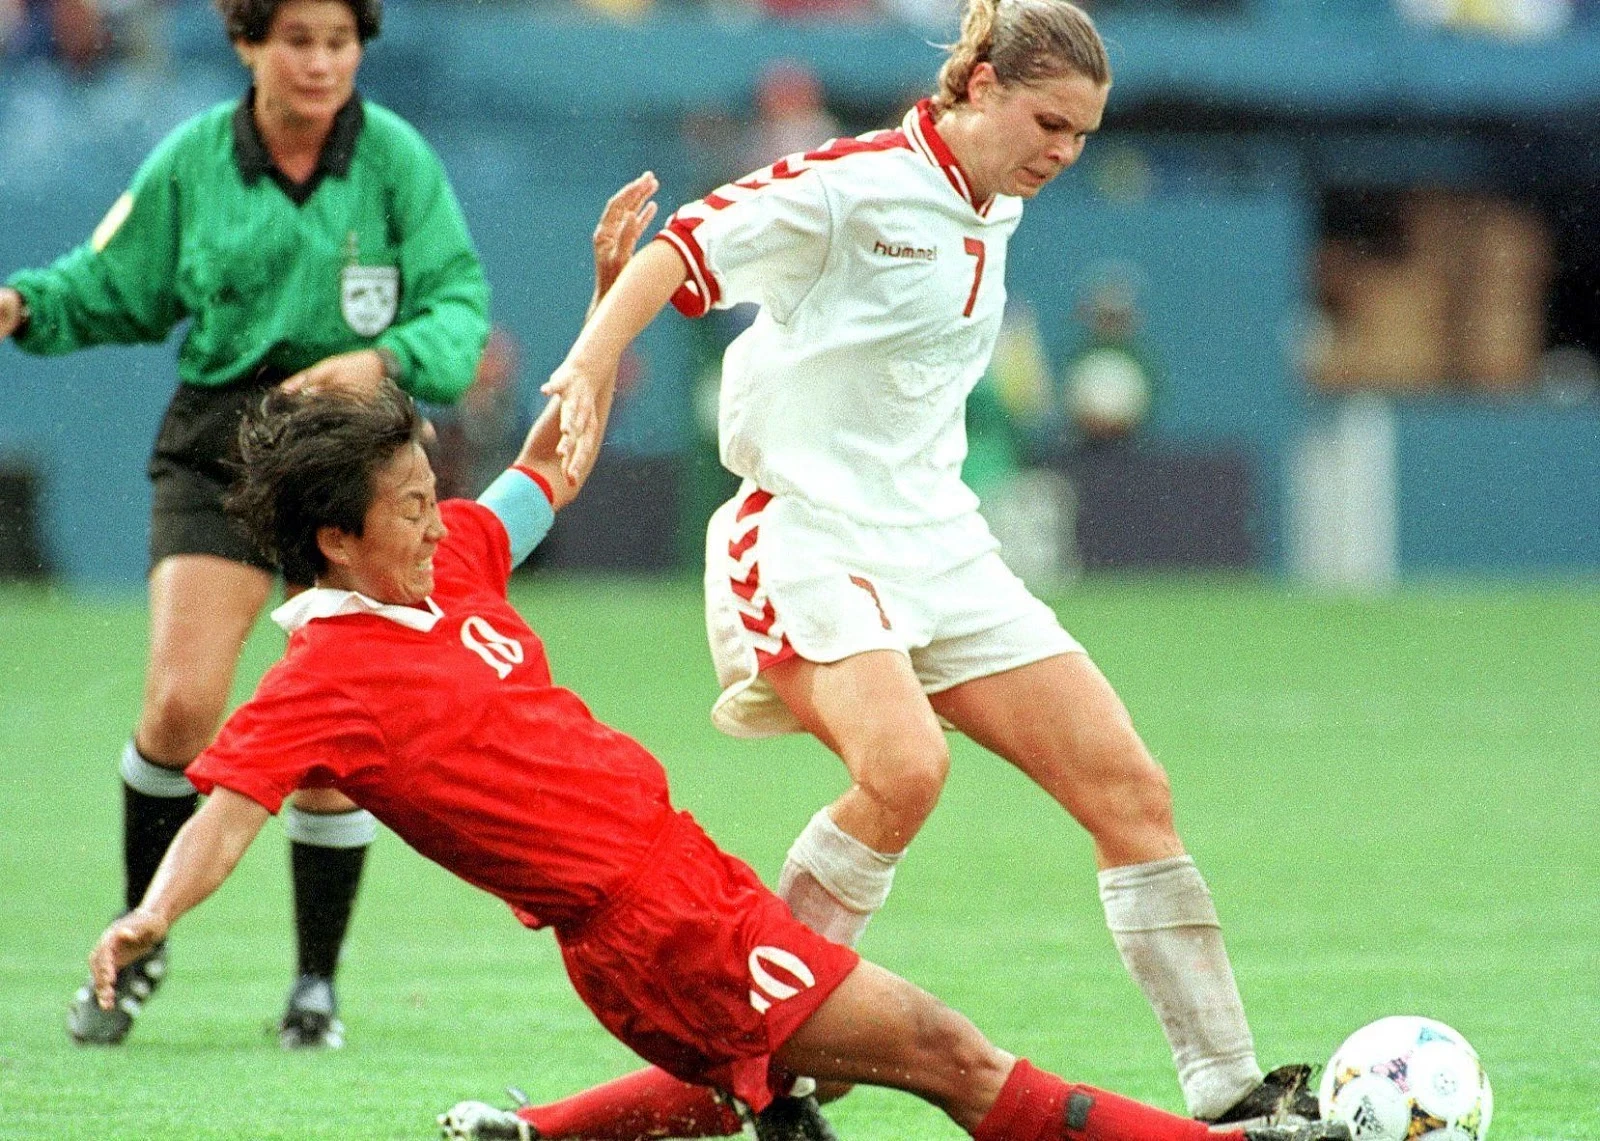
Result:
x=476 y=1121
x=310 y=1021
x=1300 y=1131
x=136 y=982
x=792 y=1119
x=1284 y=1097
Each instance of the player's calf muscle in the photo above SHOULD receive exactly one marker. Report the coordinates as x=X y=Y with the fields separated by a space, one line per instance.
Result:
x=878 y=1028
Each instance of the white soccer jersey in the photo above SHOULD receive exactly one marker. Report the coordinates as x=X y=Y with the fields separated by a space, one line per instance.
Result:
x=881 y=285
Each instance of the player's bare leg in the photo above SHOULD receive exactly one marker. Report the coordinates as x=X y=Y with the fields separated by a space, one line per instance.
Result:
x=873 y=1028
x=877 y=1028
x=201 y=610
x=1059 y=721
x=870 y=710
x=194 y=651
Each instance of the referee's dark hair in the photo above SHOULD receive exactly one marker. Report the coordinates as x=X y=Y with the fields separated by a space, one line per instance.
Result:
x=308 y=460
x=251 y=20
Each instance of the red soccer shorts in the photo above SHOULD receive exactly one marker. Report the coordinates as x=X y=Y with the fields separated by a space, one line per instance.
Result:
x=699 y=968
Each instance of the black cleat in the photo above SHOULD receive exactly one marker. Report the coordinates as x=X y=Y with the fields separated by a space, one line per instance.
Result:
x=1284 y=1097
x=136 y=982
x=310 y=1021
x=1302 y=1131
x=792 y=1119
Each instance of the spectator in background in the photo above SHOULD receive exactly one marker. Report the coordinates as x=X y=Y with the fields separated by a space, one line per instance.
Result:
x=84 y=35
x=1012 y=424
x=791 y=116
x=1108 y=385
x=1514 y=19
x=860 y=11
x=476 y=438
x=74 y=31
x=931 y=16
x=622 y=10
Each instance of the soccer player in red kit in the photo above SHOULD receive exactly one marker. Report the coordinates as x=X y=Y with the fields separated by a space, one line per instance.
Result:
x=411 y=685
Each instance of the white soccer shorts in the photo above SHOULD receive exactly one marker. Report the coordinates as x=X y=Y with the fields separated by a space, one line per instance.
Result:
x=786 y=579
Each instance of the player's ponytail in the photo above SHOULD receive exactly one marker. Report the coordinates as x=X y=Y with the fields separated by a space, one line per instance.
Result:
x=1025 y=41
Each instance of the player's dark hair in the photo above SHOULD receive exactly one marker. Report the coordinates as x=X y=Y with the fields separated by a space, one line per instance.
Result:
x=1026 y=41
x=251 y=20
x=309 y=460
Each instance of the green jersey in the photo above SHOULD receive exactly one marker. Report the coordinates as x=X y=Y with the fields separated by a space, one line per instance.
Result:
x=371 y=251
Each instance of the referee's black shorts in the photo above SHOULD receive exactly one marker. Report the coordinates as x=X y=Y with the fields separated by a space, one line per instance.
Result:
x=193 y=464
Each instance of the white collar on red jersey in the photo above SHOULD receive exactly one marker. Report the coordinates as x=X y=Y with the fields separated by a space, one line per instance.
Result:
x=922 y=132
x=326 y=602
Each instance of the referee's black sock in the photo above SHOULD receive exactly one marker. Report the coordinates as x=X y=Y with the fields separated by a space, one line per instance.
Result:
x=325 y=883
x=155 y=803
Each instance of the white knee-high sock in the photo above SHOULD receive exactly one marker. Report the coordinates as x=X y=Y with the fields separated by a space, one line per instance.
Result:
x=1166 y=929
x=832 y=882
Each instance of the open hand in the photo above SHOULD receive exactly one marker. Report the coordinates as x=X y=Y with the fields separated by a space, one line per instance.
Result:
x=621 y=224
x=579 y=394
x=134 y=935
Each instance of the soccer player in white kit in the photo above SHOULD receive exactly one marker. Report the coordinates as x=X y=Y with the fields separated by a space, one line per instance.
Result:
x=852 y=589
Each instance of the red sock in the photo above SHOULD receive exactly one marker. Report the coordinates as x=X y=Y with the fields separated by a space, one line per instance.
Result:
x=1035 y=1105
x=645 y=1104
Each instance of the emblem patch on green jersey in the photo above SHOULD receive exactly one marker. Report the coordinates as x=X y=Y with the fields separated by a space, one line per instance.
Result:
x=369 y=297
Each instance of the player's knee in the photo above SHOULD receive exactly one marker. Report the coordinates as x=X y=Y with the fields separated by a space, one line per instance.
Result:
x=1134 y=808
x=177 y=721
x=906 y=777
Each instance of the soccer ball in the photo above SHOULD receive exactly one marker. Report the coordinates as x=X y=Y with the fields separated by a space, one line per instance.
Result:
x=1407 y=1079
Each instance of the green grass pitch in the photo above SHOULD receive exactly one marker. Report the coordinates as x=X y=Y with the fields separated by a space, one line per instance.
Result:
x=1396 y=802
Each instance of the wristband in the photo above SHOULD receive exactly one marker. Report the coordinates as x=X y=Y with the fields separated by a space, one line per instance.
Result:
x=544 y=484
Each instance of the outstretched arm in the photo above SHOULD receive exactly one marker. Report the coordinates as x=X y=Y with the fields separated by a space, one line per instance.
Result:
x=203 y=854
x=621 y=224
x=585 y=380
x=523 y=510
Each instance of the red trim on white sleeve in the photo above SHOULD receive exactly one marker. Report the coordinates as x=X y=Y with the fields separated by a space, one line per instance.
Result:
x=699 y=292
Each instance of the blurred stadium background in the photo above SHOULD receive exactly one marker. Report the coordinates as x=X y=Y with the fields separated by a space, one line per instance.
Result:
x=1360 y=247
x=1361 y=243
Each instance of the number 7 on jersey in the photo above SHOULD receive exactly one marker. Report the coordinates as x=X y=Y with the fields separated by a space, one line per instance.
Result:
x=974 y=248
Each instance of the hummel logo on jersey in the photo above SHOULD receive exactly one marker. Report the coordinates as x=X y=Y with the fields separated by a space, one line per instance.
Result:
x=915 y=253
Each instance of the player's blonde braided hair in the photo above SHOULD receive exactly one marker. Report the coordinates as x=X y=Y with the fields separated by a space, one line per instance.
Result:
x=1025 y=40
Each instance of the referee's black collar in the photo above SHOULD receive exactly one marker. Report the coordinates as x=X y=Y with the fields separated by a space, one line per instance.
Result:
x=255 y=163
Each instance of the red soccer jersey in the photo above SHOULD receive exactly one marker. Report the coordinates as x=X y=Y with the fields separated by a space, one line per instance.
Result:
x=454 y=736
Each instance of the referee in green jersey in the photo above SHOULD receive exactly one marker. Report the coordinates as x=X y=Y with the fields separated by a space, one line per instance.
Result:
x=307 y=237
